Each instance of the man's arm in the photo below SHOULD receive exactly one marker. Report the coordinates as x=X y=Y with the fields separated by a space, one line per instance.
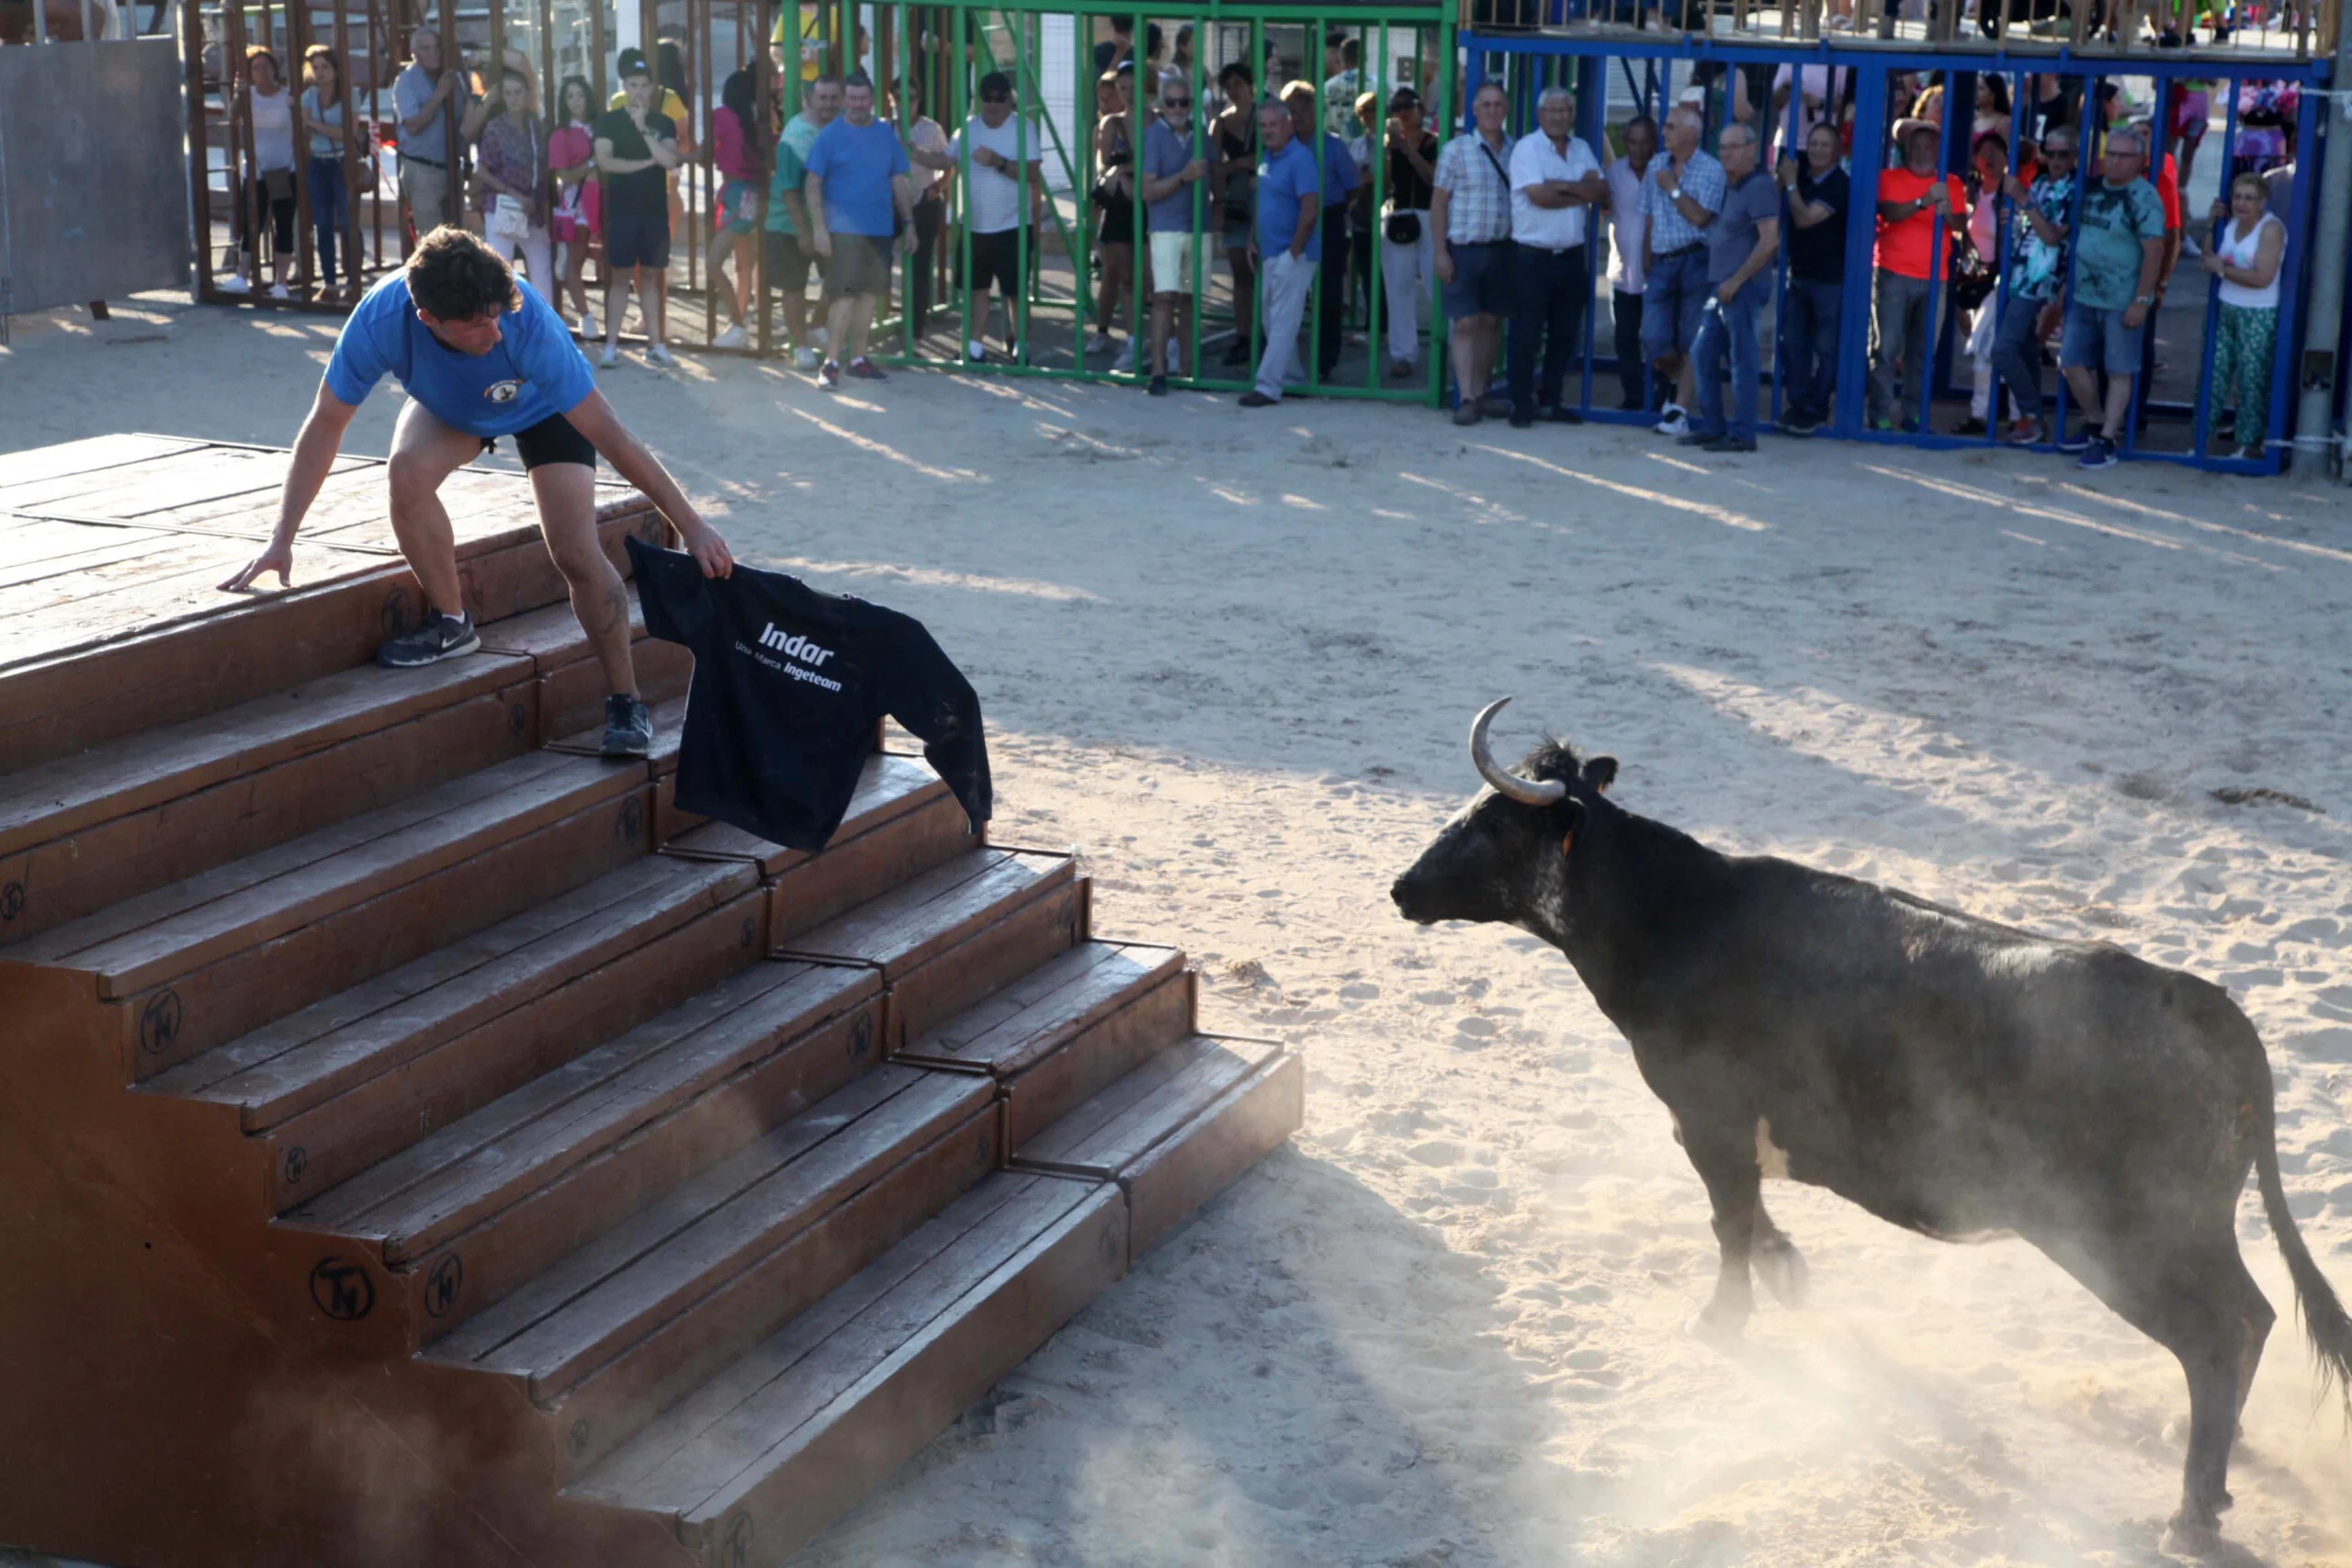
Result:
x=414 y=124
x=923 y=157
x=796 y=208
x=2152 y=263
x=1768 y=249
x=314 y=454
x=612 y=163
x=812 y=203
x=593 y=418
x=1440 y=204
x=1310 y=211
x=902 y=193
x=665 y=152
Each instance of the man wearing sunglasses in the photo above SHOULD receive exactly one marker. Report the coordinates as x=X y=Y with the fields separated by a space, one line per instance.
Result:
x=1001 y=146
x=1177 y=204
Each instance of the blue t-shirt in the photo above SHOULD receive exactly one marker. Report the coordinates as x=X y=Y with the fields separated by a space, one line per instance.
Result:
x=535 y=370
x=1285 y=180
x=857 y=161
x=1340 y=171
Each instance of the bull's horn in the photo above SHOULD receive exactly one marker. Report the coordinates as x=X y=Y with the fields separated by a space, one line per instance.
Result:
x=1527 y=792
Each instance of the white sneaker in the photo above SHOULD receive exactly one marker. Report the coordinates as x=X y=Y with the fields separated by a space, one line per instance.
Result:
x=2189 y=246
x=612 y=357
x=588 y=326
x=280 y=291
x=1676 y=423
x=1098 y=343
x=805 y=359
x=232 y=284
x=975 y=350
x=658 y=354
x=733 y=337
x=1126 y=360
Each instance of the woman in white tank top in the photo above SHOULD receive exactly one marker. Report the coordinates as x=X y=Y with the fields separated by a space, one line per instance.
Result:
x=2248 y=245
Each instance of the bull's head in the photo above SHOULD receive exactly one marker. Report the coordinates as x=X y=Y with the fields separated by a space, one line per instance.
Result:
x=1505 y=856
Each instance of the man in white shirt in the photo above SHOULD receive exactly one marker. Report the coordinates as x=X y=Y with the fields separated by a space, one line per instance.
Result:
x=1002 y=145
x=1626 y=227
x=1554 y=181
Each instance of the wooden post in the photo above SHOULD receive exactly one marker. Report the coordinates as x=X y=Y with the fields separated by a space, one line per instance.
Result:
x=199 y=140
x=297 y=38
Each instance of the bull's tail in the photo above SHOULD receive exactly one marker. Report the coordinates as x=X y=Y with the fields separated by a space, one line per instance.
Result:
x=2325 y=1324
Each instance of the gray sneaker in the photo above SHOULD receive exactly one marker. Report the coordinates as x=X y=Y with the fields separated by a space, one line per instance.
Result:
x=441 y=636
x=629 y=728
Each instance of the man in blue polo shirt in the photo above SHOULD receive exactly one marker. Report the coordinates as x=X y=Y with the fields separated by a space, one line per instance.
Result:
x=481 y=355
x=1286 y=246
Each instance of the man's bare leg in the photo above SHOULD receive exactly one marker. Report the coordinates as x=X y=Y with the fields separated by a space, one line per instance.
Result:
x=567 y=497
x=861 y=323
x=615 y=301
x=837 y=320
x=424 y=453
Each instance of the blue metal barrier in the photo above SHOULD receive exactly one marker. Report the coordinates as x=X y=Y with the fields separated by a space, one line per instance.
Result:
x=1527 y=61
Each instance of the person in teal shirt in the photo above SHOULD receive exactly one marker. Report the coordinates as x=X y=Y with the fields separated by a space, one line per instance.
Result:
x=788 y=261
x=2119 y=251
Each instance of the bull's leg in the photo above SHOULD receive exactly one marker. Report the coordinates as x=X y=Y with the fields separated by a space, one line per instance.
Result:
x=1778 y=1261
x=1725 y=1161
x=2192 y=1296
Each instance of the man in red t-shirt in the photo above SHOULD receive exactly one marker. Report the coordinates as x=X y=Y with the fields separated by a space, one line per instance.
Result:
x=1918 y=212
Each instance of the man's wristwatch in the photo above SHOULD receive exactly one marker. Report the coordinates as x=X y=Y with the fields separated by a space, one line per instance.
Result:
x=1674 y=195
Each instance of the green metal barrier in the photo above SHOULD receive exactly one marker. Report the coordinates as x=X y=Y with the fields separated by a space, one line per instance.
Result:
x=945 y=49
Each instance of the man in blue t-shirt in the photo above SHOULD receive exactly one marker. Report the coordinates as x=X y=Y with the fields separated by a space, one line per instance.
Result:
x=481 y=355
x=1286 y=244
x=861 y=213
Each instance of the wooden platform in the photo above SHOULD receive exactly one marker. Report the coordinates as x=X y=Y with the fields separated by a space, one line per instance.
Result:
x=423 y=1143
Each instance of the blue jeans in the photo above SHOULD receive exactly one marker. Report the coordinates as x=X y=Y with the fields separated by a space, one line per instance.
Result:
x=1727 y=330
x=327 y=214
x=1809 y=346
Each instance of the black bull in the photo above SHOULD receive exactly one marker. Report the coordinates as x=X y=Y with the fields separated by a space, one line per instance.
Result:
x=1954 y=1076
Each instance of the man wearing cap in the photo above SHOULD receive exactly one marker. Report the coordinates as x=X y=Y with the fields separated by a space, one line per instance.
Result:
x=1005 y=155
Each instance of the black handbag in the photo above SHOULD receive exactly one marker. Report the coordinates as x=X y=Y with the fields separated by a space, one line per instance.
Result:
x=1402 y=228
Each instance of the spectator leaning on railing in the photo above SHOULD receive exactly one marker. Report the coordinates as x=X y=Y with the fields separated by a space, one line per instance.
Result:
x=2037 y=272
x=1915 y=208
x=1627 y=227
x=1287 y=247
x=424 y=97
x=1742 y=244
x=1819 y=196
x=1470 y=228
x=1555 y=182
x=2118 y=253
x=2244 y=253
x=1679 y=200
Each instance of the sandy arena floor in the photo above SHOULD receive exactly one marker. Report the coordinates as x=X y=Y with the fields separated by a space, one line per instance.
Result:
x=1232 y=656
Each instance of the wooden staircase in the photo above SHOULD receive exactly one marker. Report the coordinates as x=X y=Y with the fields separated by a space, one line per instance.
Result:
x=420 y=1143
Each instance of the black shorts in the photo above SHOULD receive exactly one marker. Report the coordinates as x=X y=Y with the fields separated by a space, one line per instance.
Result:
x=996 y=258
x=784 y=263
x=552 y=440
x=637 y=239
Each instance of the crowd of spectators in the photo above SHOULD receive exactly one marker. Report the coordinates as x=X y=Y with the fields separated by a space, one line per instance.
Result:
x=2033 y=263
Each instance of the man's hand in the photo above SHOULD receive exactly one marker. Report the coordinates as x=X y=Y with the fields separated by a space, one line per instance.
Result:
x=2211 y=262
x=1785 y=171
x=278 y=557
x=821 y=242
x=2014 y=188
x=2134 y=314
x=1194 y=169
x=1939 y=195
x=906 y=239
x=710 y=551
x=1443 y=260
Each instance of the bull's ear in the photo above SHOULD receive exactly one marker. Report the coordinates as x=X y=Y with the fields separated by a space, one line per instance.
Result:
x=1600 y=773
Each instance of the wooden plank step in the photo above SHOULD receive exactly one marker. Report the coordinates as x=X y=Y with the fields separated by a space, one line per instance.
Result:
x=957 y=932
x=496 y=1197
x=669 y=733
x=1065 y=1029
x=344 y=1083
x=625 y=1325
x=39 y=548
x=901 y=822
x=195 y=963
x=776 y=1446
x=1177 y=1130
x=132 y=662
x=37 y=464
x=571 y=682
x=134 y=814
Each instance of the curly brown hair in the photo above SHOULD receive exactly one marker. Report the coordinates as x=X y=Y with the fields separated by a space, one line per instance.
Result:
x=455 y=277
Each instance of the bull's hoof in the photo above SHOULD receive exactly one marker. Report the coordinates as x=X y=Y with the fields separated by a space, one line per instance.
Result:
x=2184 y=1537
x=1717 y=1323
x=1783 y=1273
